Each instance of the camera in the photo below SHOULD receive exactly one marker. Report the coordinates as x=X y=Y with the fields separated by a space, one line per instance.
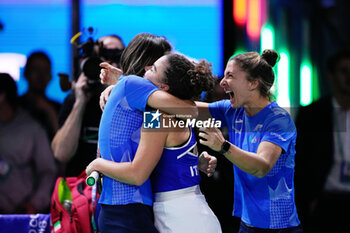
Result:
x=88 y=61
x=89 y=55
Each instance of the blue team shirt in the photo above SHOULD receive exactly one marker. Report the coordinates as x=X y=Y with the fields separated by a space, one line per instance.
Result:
x=177 y=167
x=119 y=136
x=266 y=202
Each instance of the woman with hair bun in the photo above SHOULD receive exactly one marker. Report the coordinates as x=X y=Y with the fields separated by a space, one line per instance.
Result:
x=169 y=155
x=261 y=147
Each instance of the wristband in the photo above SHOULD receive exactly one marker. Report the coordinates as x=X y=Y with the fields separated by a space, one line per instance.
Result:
x=225 y=147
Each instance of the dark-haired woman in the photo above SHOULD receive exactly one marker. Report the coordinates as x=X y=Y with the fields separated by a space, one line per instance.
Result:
x=171 y=153
x=128 y=208
x=261 y=148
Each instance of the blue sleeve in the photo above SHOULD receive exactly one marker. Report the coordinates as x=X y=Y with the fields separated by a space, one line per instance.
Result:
x=281 y=131
x=137 y=91
x=218 y=110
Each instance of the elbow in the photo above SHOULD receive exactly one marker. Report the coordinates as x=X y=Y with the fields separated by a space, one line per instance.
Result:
x=58 y=154
x=60 y=157
x=138 y=181
x=261 y=172
x=129 y=174
x=55 y=151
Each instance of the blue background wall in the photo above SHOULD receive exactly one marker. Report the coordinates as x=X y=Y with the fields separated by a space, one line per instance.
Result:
x=193 y=27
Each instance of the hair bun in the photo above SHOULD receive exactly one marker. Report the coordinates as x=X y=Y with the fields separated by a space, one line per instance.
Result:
x=270 y=56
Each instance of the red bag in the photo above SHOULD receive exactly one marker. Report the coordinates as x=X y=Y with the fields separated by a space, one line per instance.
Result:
x=73 y=205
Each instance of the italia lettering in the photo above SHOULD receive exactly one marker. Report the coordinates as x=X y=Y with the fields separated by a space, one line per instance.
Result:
x=194 y=170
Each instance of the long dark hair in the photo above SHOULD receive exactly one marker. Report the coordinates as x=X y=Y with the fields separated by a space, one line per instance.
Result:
x=143 y=50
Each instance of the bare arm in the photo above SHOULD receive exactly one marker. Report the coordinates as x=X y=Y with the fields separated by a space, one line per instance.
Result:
x=203 y=110
x=65 y=142
x=170 y=104
x=136 y=172
x=184 y=108
x=163 y=101
x=158 y=100
x=257 y=164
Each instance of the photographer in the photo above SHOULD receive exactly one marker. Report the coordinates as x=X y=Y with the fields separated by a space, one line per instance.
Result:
x=75 y=143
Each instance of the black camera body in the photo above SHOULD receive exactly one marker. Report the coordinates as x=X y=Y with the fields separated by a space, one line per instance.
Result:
x=89 y=56
x=87 y=59
x=88 y=62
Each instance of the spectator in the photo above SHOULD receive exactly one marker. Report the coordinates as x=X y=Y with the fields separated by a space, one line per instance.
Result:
x=75 y=143
x=27 y=167
x=111 y=48
x=38 y=74
x=323 y=154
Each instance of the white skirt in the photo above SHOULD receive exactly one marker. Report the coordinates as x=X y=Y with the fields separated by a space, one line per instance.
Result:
x=184 y=211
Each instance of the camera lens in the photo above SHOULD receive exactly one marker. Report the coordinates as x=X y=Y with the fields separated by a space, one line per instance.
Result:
x=91 y=68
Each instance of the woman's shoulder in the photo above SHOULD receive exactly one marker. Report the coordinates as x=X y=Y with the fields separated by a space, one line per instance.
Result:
x=129 y=79
x=221 y=105
x=279 y=116
x=132 y=81
x=280 y=112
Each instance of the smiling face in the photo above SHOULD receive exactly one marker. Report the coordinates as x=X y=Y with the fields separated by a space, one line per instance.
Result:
x=236 y=84
x=156 y=73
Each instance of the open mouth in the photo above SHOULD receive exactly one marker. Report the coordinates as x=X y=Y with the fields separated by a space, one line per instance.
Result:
x=230 y=93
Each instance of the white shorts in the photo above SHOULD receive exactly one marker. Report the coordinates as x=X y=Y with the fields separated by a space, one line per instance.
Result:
x=184 y=211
